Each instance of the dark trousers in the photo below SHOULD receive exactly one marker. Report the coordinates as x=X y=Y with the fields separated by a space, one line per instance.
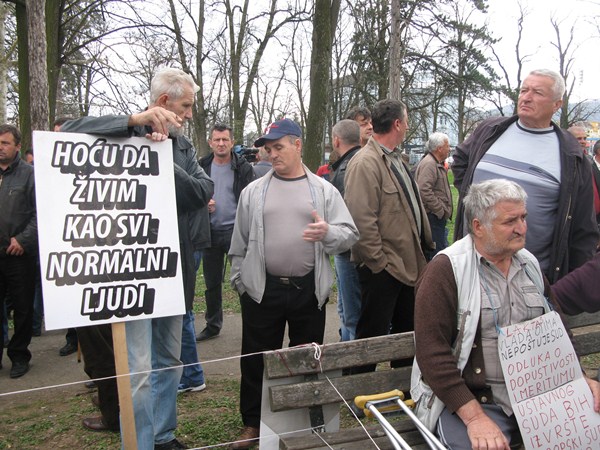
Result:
x=387 y=306
x=99 y=362
x=38 y=301
x=17 y=285
x=71 y=336
x=438 y=235
x=213 y=263
x=263 y=328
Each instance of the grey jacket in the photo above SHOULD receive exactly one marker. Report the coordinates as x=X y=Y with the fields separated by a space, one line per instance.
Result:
x=248 y=274
x=193 y=188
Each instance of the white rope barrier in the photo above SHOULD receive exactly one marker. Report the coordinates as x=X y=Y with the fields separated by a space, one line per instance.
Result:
x=317 y=356
x=74 y=383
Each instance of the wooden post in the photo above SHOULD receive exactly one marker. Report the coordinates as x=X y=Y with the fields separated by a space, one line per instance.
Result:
x=128 y=436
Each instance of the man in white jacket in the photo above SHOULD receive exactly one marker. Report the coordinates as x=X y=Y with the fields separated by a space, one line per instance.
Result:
x=287 y=224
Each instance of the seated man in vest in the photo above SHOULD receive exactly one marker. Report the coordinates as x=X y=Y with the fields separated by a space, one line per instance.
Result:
x=487 y=280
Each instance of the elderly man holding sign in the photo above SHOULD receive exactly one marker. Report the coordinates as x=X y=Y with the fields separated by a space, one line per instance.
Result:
x=155 y=343
x=467 y=300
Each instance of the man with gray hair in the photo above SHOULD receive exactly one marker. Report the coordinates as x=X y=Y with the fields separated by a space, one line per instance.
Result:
x=346 y=139
x=263 y=163
x=580 y=134
x=432 y=179
x=485 y=281
x=156 y=343
x=548 y=163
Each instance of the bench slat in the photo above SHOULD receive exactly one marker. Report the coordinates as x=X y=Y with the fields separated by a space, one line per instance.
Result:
x=584 y=319
x=313 y=393
x=355 y=438
x=588 y=339
x=301 y=361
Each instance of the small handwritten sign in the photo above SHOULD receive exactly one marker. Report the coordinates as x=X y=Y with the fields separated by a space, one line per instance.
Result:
x=550 y=398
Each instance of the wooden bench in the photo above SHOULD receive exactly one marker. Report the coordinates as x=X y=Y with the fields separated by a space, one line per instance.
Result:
x=314 y=391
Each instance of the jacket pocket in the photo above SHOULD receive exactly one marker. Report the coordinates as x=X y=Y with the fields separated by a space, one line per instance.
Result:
x=535 y=304
x=427 y=406
x=390 y=199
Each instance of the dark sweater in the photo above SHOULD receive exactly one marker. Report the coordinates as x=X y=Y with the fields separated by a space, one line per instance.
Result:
x=579 y=291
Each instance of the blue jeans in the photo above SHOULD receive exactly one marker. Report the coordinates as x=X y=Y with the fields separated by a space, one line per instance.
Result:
x=349 y=302
x=154 y=344
x=438 y=234
x=191 y=375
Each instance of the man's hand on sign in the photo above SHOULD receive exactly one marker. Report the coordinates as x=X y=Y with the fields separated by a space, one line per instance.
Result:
x=160 y=119
x=595 y=388
x=14 y=249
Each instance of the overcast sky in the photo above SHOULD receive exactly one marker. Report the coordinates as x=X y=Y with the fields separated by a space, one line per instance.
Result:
x=538 y=35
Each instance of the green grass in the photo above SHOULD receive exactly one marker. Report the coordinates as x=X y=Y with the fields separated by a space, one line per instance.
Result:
x=231 y=300
x=210 y=417
x=51 y=420
x=54 y=421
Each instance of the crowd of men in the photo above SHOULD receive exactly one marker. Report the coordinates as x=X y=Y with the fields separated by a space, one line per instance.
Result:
x=384 y=224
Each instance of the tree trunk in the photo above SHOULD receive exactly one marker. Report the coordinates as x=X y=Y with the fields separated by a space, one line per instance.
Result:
x=3 y=64
x=235 y=54
x=23 y=64
x=324 y=20
x=198 y=114
x=54 y=10
x=200 y=109
x=395 y=82
x=38 y=75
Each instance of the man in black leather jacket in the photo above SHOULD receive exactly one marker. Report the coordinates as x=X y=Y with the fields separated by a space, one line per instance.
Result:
x=18 y=246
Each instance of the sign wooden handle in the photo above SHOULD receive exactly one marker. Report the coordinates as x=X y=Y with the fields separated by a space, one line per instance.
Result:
x=128 y=436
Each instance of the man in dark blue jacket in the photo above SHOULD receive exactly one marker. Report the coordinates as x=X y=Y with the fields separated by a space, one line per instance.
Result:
x=231 y=173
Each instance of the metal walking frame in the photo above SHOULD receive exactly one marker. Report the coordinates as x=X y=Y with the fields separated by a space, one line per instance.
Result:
x=378 y=404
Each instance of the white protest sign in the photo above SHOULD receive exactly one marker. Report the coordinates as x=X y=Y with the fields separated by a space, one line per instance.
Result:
x=107 y=227
x=550 y=398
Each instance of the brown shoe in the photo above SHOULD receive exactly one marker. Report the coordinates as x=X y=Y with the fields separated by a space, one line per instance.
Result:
x=95 y=424
x=248 y=439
